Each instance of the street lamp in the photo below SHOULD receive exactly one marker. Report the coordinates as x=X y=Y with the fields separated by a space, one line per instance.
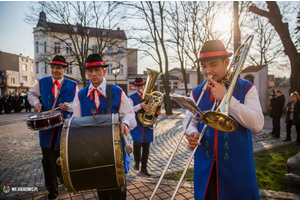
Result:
x=116 y=72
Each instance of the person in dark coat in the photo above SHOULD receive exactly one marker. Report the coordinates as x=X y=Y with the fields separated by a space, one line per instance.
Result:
x=7 y=102
x=1 y=103
x=27 y=104
x=277 y=103
x=289 y=109
x=16 y=103
x=296 y=120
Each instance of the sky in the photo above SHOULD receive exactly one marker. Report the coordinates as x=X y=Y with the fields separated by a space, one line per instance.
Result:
x=15 y=35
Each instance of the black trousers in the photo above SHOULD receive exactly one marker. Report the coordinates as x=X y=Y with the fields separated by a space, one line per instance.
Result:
x=276 y=126
x=298 y=133
x=289 y=125
x=211 y=192
x=137 y=153
x=51 y=171
x=118 y=194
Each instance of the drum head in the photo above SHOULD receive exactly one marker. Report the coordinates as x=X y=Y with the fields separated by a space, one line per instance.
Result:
x=43 y=120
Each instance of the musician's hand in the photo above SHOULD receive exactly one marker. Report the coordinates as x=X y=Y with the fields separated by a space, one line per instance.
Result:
x=158 y=112
x=219 y=90
x=145 y=106
x=191 y=140
x=63 y=106
x=124 y=129
x=38 y=107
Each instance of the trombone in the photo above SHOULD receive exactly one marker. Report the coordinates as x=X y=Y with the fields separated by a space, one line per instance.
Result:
x=218 y=119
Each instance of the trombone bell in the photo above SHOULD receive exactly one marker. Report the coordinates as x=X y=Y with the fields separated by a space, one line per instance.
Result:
x=220 y=121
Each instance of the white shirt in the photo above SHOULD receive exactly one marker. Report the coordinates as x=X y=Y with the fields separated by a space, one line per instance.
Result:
x=136 y=107
x=248 y=114
x=34 y=93
x=126 y=113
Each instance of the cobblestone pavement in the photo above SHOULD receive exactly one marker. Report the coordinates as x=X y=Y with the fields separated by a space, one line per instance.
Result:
x=20 y=164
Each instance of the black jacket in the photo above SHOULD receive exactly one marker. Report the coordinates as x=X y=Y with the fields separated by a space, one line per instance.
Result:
x=277 y=105
x=296 y=116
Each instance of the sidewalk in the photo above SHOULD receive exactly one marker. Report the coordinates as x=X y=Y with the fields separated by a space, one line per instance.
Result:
x=22 y=168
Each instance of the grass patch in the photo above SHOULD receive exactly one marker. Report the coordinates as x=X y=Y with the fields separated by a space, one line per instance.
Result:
x=270 y=168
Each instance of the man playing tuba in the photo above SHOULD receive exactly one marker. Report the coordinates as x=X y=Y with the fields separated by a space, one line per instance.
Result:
x=142 y=136
x=223 y=163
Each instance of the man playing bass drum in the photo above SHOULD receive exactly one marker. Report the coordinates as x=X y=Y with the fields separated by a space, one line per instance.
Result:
x=223 y=163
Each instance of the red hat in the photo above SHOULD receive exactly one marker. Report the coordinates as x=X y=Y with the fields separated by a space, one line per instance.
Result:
x=213 y=49
x=59 y=61
x=138 y=81
x=93 y=61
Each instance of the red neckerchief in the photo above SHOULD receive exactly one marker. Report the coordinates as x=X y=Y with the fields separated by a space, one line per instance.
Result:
x=53 y=89
x=209 y=86
x=92 y=93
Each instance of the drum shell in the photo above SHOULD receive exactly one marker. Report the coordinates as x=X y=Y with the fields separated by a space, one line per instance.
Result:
x=44 y=121
x=91 y=153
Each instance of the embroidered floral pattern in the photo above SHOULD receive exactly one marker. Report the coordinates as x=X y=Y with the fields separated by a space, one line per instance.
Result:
x=207 y=154
x=207 y=144
x=226 y=146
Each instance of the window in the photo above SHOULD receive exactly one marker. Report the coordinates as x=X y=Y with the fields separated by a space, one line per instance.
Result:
x=56 y=47
x=69 y=48
x=94 y=49
x=37 y=67
x=109 y=51
x=32 y=79
x=109 y=69
x=36 y=47
x=45 y=47
x=88 y=31
x=120 y=52
x=83 y=48
x=24 y=67
x=104 y=32
x=24 y=78
x=75 y=29
x=12 y=80
x=69 y=69
x=46 y=68
x=121 y=70
x=32 y=68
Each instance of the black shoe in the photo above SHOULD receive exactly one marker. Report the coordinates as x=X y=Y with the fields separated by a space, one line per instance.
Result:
x=145 y=171
x=274 y=136
x=271 y=133
x=287 y=139
x=136 y=166
x=296 y=143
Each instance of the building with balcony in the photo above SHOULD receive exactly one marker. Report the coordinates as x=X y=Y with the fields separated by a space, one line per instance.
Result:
x=52 y=39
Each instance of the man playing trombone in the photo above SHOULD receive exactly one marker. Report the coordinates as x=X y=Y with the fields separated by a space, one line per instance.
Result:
x=223 y=162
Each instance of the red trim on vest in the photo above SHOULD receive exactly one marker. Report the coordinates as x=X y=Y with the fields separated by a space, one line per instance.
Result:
x=51 y=138
x=213 y=54
x=249 y=88
x=94 y=63
x=58 y=63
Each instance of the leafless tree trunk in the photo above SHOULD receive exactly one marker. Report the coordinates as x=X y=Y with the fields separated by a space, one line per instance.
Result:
x=275 y=18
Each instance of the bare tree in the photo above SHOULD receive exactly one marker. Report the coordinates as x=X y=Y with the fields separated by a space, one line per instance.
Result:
x=151 y=37
x=74 y=24
x=273 y=14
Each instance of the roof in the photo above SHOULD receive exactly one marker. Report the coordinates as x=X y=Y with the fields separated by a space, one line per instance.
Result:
x=177 y=69
x=253 y=68
x=63 y=28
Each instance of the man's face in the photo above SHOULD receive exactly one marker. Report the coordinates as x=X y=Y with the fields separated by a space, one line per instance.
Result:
x=277 y=94
x=139 y=88
x=96 y=75
x=57 y=72
x=217 y=68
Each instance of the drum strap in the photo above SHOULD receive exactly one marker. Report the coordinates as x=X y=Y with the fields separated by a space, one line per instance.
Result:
x=109 y=99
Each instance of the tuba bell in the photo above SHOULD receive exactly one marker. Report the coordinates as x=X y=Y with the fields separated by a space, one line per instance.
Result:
x=153 y=99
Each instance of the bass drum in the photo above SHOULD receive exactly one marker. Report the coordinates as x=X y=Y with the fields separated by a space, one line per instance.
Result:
x=91 y=153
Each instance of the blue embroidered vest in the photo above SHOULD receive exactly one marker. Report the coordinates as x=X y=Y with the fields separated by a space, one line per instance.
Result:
x=67 y=94
x=87 y=104
x=236 y=176
x=140 y=133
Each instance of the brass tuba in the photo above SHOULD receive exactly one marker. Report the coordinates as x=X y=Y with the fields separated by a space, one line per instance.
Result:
x=153 y=99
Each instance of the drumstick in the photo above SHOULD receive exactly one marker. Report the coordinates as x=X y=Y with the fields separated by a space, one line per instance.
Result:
x=57 y=108
x=128 y=148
